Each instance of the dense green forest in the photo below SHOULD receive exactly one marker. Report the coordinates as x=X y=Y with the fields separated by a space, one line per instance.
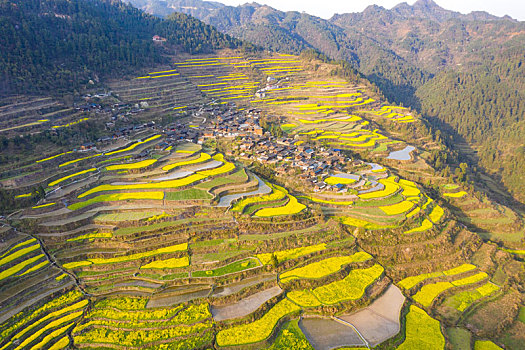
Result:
x=50 y=44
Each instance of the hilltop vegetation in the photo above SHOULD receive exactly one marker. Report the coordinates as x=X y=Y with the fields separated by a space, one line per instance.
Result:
x=49 y=44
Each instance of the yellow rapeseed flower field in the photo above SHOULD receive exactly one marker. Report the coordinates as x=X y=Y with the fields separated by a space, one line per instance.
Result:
x=429 y=292
x=391 y=187
x=486 y=345
x=43 y=205
x=49 y=326
x=304 y=298
x=134 y=145
x=125 y=258
x=227 y=167
x=19 y=253
x=334 y=180
x=168 y=263
x=292 y=207
x=277 y=193
x=352 y=287
x=79 y=160
x=436 y=214
x=129 y=166
x=426 y=225
x=56 y=182
x=398 y=208
x=148 y=186
x=456 y=194
x=19 y=267
x=471 y=279
x=412 y=281
x=323 y=268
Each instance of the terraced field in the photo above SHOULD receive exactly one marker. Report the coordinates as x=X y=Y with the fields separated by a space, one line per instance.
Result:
x=172 y=236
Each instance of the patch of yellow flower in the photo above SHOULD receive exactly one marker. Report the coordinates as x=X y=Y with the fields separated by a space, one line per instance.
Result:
x=289 y=254
x=258 y=330
x=323 y=268
x=168 y=263
x=291 y=208
x=125 y=258
x=56 y=182
x=129 y=166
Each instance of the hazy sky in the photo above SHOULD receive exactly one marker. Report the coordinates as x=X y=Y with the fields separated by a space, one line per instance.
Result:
x=326 y=8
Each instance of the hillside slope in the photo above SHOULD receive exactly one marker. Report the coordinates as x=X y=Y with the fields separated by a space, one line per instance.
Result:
x=49 y=44
x=422 y=56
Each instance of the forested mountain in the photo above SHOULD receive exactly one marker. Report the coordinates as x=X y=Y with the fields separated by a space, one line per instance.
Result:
x=464 y=72
x=49 y=44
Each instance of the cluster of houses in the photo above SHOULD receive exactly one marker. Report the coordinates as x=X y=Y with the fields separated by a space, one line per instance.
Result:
x=234 y=123
x=291 y=156
x=286 y=155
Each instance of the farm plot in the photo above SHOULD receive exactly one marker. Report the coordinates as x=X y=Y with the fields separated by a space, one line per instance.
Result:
x=291 y=337
x=412 y=281
x=244 y=306
x=289 y=254
x=422 y=331
x=330 y=334
x=459 y=194
x=169 y=184
x=390 y=188
x=323 y=268
x=380 y=320
x=352 y=287
x=22 y=259
x=429 y=292
x=159 y=92
x=486 y=345
x=113 y=197
x=203 y=157
x=36 y=114
x=462 y=300
x=56 y=182
x=277 y=194
x=126 y=258
x=291 y=208
x=166 y=184
x=115 y=322
x=258 y=330
x=234 y=267
x=389 y=113
x=425 y=226
x=130 y=166
x=134 y=145
x=44 y=326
